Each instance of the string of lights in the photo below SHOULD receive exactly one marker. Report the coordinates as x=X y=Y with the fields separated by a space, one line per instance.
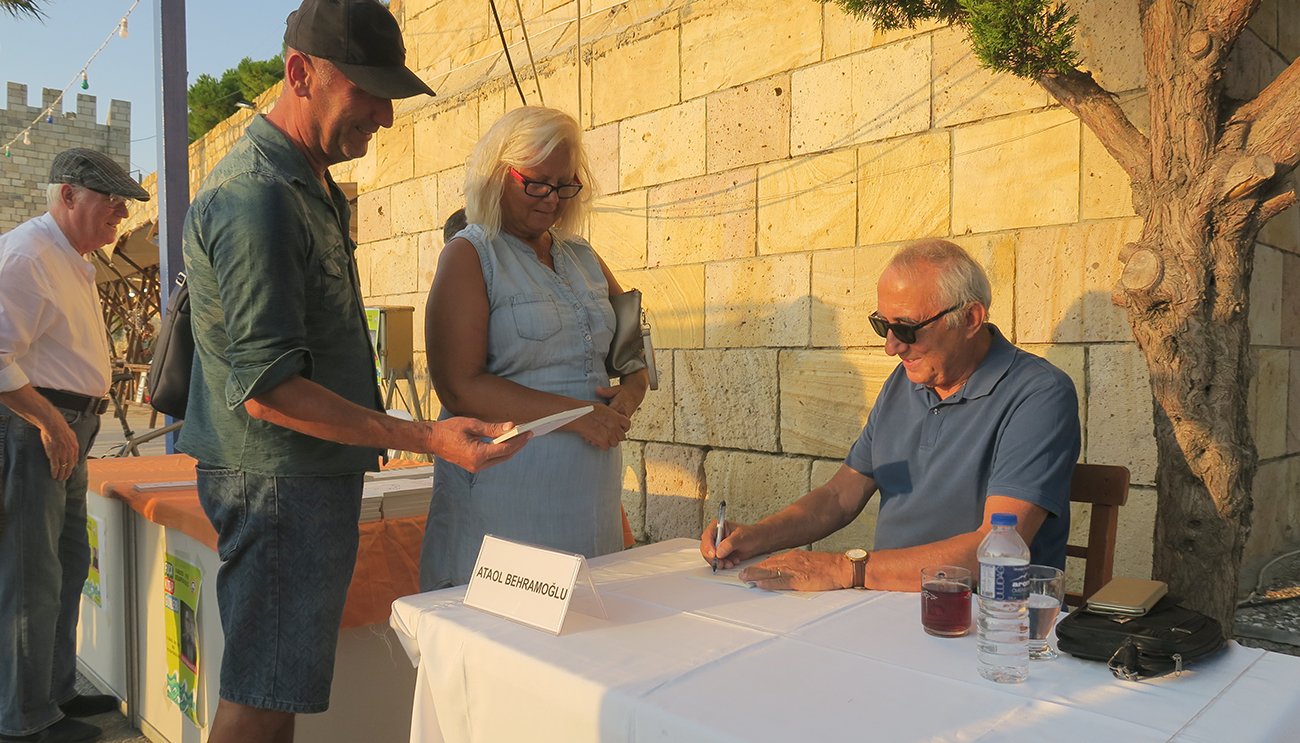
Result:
x=48 y=114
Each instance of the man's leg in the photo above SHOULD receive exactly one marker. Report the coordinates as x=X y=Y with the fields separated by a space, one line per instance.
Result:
x=239 y=723
x=30 y=578
x=74 y=556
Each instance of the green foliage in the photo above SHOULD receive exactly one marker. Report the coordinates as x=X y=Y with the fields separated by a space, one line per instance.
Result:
x=1024 y=37
x=1027 y=38
x=20 y=8
x=211 y=101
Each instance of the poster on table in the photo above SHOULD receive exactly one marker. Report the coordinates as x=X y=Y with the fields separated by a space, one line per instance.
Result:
x=92 y=589
x=181 y=582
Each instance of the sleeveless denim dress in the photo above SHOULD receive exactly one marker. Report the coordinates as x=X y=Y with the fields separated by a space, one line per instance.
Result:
x=549 y=330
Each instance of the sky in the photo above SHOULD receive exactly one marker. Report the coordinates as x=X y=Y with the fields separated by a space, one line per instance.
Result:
x=50 y=54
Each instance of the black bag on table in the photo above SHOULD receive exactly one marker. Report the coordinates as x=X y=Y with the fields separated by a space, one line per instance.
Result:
x=1162 y=641
x=173 y=355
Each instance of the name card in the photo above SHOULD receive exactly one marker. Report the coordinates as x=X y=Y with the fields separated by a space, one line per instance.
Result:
x=528 y=584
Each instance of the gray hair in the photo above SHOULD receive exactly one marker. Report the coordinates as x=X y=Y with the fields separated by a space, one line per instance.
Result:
x=961 y=281
x=52 y=193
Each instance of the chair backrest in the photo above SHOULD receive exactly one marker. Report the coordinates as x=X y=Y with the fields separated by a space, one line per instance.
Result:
x=1105 y=487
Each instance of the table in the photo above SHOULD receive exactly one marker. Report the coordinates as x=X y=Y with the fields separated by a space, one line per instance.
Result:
x=121 y=644
x=686 y=660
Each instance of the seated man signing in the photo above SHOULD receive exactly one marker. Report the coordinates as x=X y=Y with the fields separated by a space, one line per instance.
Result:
x=966 y=426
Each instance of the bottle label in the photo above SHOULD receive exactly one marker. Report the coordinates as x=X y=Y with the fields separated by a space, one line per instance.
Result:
x=1004 y=582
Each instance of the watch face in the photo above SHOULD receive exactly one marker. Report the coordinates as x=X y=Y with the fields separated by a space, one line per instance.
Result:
x=856 y=553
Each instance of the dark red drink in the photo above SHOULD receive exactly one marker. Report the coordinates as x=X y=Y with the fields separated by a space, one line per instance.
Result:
x=945 y=608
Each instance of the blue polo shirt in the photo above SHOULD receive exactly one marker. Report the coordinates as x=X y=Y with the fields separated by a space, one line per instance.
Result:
x=1012 y=430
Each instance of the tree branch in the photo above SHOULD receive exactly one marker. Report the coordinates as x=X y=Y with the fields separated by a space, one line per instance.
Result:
x=1228 y=18
x=1274 y=119
x=1097 y=109
x=1276 y=205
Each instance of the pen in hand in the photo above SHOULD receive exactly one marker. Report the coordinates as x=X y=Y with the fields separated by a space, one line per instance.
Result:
x=717 y=534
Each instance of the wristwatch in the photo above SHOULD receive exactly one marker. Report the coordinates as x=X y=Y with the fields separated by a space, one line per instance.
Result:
x=858 y=557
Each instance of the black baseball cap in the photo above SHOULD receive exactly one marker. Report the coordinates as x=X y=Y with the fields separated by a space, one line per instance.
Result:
x=361 y=38
x=95 y=170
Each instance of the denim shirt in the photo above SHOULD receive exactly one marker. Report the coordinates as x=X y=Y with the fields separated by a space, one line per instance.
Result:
x=273 y=292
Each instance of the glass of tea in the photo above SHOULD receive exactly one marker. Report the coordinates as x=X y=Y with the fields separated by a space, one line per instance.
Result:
x=945 y=600
x=1046 y=591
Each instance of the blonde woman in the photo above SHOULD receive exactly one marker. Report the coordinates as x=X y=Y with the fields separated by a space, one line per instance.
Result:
x=518 y=325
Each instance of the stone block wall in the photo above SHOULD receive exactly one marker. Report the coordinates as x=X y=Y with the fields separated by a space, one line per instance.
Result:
x=757 y=170
x=24 y=173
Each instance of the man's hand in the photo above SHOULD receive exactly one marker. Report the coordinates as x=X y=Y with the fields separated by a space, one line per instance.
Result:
x=61 y=447
x=460 y=441
x=738 y=544
x=801 y=570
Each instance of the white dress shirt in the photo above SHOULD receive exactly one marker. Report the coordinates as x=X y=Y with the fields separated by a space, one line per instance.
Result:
x=51 y=326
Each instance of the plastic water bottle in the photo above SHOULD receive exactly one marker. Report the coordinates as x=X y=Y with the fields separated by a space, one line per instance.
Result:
x=1002 y=633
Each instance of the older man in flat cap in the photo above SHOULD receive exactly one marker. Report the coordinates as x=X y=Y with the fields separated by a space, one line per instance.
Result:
x=284 y=414
x=54 y=373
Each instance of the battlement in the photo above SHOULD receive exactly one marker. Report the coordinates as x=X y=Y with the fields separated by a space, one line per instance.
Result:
x=72 y=123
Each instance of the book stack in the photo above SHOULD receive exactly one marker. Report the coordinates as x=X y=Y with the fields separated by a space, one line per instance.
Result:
x=372 y=505
x=401 y=473
x=400 y=498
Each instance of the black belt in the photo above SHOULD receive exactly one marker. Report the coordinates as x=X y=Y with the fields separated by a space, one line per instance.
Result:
x=74 y=402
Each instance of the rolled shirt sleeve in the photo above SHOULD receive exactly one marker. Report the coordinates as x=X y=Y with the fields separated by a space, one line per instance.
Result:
x=23 y=316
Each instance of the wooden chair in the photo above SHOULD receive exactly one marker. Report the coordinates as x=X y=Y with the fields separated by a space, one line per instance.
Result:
x=1105 y=487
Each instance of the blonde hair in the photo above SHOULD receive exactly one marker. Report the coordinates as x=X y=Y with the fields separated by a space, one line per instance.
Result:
x=523 y=138
x=960 y=281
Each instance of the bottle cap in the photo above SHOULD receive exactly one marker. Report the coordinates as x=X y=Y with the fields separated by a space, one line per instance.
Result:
x=1004 y=519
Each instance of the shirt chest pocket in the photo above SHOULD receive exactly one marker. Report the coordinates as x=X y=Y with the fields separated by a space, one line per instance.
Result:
x=333 y=279
x=536 y=316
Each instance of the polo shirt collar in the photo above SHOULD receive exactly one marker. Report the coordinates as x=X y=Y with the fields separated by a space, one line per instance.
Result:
x=282 y=155
x=986 y=376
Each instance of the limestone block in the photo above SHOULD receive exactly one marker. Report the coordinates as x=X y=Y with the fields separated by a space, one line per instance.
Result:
x=997 y=255
x=748 y=124
x=601 y=145
x=360 y=171
x=363 y=257
x=1283 y=231
x=673 y=298
x=395 y=149
x=1133 y=540
x=451 y=193
x=826 y=396
x=1288 y=34
x=653 y=421
x=674 y=491
x=633 y=495
x=395 y=267
x=1250 y=67
x=1120 y=424
x=730 y=42
x=1064 y=278
x=1268 y=397
x=754 y=486
x=964 y=91
x=844 y=295
x=705 y=219
x=1031 y=161
x=618 y=230
x=492 y=105
x=1266 y=297
x=844 y=33
x=444 y=138
x=1275 y=516
x=861 y=532
x=1107 y=190
x=757 y=302
x=373 y=216
x=661 y=146
x=650 y=58
x=726 y=398
x=807 y=203
x=864 y=97
x=414 y=205
x=1073 y=361
x=428 y=247
x=432 y=34
x=1289 y=321
x=559 y=84
x=1293 y=406
x=903 y=189
x=1109 y=41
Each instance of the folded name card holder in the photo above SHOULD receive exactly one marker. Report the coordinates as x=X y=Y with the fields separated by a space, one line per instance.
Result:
x=531 y=585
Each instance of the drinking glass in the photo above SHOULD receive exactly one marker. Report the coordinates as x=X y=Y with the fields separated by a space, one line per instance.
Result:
x=945 y=600
x=1046 y=592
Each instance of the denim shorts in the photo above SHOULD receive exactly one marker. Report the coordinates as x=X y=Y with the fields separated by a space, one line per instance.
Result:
x=287 y=546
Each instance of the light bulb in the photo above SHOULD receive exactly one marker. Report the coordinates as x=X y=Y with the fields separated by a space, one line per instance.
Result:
x=27 y=137
x=85 y=81
x=6 y=150
x=49 y=118
x=121 y=29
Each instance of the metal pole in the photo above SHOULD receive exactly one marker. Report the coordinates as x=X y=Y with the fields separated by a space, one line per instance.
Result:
x=173 y=147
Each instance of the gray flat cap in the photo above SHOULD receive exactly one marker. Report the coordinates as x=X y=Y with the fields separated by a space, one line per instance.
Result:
x=96 y=171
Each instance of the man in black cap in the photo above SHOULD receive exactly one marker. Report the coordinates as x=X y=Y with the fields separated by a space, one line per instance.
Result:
x=54 y=373
x=284 y=414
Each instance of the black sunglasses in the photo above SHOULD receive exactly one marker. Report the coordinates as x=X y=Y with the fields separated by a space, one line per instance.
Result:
x=903 y=332
x=540 y=190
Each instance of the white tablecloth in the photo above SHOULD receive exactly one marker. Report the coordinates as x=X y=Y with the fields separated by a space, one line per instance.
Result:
x=686 y=660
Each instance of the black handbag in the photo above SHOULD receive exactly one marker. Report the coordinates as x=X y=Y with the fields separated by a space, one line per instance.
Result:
x=1160 y=642
x=173 y=356
x=631 y=350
